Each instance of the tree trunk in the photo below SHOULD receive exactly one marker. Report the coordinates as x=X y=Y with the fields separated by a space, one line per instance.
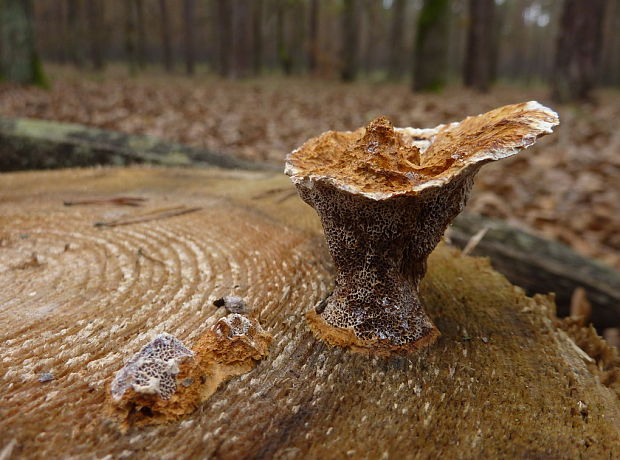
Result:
x=19 y=60
x=60 y=27
x=165 y=35
x=297 y=34
x=500 y=23
x=78 y=301
x=313 y=36
x=578 y=50
x=95 y=26
x=478 y=68
x=141 y=34
x=350 y=39
x=285 y=59
x=371 y=35
x=257 y=36
x=431 y=45
x=74 y=33
x=188 y=35
x=512 y=44
x=397 y=29
x=130 y=36
x=610 y=52
x=242 y=36
x=224 y=27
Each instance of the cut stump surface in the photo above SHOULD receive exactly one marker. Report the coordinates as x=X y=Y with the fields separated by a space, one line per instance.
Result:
x=78 y=300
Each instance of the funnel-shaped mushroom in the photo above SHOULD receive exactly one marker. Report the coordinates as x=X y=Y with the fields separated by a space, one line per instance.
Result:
x=385 y=196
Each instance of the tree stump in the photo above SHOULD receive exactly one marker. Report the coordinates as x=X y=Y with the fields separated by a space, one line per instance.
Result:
x=77 y=300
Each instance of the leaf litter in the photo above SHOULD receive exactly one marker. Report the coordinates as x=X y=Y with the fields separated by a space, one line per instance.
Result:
x=567 y=187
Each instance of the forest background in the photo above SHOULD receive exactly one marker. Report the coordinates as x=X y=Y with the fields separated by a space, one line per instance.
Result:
x=256 y=78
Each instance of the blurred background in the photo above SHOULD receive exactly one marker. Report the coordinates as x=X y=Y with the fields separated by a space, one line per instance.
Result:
x=255 y=78
x=572 y=44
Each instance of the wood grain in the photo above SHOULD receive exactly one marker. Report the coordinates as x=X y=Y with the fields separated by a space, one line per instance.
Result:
x=78 y=300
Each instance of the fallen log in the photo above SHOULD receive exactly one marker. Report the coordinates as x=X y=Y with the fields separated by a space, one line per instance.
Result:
x=42 y=144
x=78 y=300
x=541 y=266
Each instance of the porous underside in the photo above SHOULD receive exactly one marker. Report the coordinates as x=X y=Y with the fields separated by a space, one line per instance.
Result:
x=379 y=161
x=153 y=369
x=379 y=248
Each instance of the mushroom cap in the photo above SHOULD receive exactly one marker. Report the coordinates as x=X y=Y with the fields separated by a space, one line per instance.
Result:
x=380 y=161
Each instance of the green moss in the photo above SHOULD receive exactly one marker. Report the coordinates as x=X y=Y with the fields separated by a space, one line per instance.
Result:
x=436 y=86
x=430 y=46
x=431 y=13
x=38 y=75
x=20 y=62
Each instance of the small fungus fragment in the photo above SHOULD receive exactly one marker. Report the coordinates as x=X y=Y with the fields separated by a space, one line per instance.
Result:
x=385 y=196
x=166 y=380
x=46 y=377
x=153 y=370
x=232 y=303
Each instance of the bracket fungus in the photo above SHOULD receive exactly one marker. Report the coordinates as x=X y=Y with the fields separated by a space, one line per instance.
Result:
x=385 y=196
x=166 y=380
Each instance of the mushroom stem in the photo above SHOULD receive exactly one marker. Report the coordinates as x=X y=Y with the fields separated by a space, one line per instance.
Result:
x=379 y=248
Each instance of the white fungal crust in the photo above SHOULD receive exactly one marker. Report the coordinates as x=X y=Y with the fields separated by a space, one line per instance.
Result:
x=153 y=369
x=233 y=325
x=385 y=196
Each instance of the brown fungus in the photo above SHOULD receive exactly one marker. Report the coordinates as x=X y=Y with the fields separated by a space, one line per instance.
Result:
x=385 y=196
x=166 y=380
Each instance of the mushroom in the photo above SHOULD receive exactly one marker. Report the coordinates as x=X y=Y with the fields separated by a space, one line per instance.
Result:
x=385 y=196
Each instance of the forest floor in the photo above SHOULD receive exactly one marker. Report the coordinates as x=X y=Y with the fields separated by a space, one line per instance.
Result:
x=566 y=187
